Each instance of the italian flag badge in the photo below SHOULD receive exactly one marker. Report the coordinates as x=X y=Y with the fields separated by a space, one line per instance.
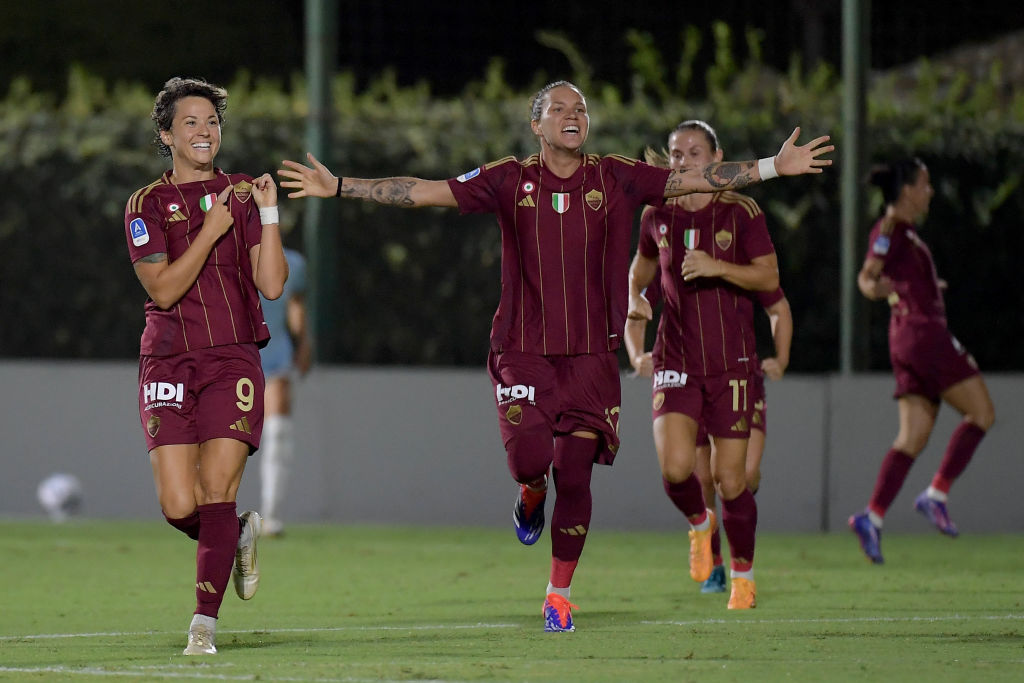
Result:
x=690 y=239
x=207 y=202
x=560 y=201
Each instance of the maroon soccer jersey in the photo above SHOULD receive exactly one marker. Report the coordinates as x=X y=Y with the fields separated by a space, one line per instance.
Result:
x=222 y=306
x=565 y=248
x=704 y=323
x=908 y=262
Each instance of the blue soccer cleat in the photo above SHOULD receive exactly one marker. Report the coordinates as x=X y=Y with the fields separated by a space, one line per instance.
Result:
x=528 y=530
x=716 y=582
x=558 y=614
x=935 y=511
x=869 y=535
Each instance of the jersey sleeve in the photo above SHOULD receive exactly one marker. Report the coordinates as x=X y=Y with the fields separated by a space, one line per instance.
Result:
x=478 y=190
x=648 y=245
x=641 y=183
x=144 y=226
x=755 y=239
x=884 y=247
x=769 y=299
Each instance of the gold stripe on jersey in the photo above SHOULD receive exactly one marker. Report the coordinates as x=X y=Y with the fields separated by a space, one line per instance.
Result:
x=608 y=333
x=220 y=281
x=540 y=272
x=499 y=162
x=531 y=160
x=135 y=203
x=748 y=203
x=622 y=159
x=586 y=270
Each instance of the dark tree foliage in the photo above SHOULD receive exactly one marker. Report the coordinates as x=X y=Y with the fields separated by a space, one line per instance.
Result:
x=420 y=286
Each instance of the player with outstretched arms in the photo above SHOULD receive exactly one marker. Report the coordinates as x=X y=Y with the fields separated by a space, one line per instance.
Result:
x=566 y=220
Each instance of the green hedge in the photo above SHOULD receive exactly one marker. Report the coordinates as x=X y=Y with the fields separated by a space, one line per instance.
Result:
x=420 y=287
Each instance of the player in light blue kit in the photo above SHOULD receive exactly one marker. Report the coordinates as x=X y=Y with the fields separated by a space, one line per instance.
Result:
x=289 y=351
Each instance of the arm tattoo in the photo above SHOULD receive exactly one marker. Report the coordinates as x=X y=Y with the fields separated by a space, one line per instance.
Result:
x=160 y=257
x=729 y=175
x=393 y=191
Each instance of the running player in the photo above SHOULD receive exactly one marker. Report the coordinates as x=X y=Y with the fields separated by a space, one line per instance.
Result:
x=204 y=244
x=712 y=249
x=774 y=367
x=929 y=364
x=289 y=351
x=566 y=219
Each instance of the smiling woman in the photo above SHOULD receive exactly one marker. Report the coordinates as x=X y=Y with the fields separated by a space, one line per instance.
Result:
x=566 y=220
x=204 y=244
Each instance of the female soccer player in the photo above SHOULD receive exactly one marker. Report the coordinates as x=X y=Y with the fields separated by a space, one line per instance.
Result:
x=774 y=367
x=713 y=251
x=204 y=245
x=565 y=219
x=929 y=364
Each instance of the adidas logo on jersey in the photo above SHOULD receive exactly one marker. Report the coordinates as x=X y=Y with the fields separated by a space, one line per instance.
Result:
x=242 y=426
x=740 y=426
x=177 y=216
x=527 y=201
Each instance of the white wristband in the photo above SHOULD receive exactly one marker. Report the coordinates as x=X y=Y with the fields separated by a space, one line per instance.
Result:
x=766 y=167
x=268 y=215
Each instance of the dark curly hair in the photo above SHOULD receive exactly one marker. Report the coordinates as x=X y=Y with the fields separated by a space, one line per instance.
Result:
x=174 y=90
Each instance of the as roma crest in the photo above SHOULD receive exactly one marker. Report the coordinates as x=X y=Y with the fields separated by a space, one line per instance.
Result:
x=723 y=238
x=514 y=415
x=659 y=400
x=153 y=425
x=243 y=191
x=594 y=199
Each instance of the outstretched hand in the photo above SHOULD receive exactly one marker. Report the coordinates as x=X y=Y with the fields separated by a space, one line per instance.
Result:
x=794 y=159
x=308 y=181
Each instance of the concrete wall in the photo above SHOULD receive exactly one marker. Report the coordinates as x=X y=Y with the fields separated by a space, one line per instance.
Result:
x=412 y=445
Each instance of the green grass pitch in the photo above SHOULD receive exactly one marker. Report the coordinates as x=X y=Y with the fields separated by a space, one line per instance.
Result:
x=90 y=601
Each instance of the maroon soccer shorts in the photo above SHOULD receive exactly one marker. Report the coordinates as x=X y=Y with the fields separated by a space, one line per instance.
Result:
x=566 y=393
x=720 y=403
x=927 y=360
x=199 y=395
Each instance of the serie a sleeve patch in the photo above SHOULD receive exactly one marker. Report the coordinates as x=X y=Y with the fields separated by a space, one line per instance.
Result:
x=140 y=235
x=469 y=174
x=881 y=245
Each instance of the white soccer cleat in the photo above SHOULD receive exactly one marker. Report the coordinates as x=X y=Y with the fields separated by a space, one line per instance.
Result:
x=200 y=641
x=246 y=572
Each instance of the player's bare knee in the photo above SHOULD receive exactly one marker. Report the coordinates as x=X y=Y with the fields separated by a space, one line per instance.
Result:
x=983 y=417
x=731 y=487
x=178 y=507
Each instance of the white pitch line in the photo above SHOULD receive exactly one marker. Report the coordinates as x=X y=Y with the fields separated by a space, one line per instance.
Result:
x=199 y=675
x=323 y=629
x=456 y=627
x=841 y=620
